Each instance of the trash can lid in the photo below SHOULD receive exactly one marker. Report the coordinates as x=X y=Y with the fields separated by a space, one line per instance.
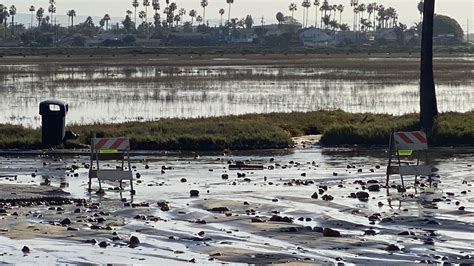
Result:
x=53 y=107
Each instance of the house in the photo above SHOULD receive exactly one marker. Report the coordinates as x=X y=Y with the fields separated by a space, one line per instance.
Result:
x=314 y=37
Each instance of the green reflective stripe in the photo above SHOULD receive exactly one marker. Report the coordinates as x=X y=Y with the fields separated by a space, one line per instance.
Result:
x=108 y=151
x=405 y=152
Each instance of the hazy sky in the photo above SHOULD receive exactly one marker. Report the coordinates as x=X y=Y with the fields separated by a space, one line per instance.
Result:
x=462 y=10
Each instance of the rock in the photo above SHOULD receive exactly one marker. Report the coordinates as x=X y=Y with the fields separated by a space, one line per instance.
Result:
x=25 y=249
x=404 y=233
x=318 y=229
x=134 y=241
x=462 y=208
x=225 y=176
x=361 y=195
x=3 y=210
x=386 y=220
x=183 y=180
x=370 y=232
x=77 y=210
x=257 y=220
x=374 y=188
x=277 y=218
x=327 y=197
x=163 y=206
x=65 y=221
x=331 y=233
x=194 y=193
x=392 y=247
x=315 y=195
x=219 y=209
x=103 y=244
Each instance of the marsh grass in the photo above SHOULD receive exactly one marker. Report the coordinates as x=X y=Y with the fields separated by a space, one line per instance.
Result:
x=257 y=131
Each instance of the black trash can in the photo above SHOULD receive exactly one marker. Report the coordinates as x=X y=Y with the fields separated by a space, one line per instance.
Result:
x=53 y=122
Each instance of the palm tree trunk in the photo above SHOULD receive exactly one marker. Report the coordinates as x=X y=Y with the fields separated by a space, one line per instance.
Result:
x=13 y=26
x=228 y=19
x=72 y=21
x=135 y=18
x=221 y=20
x=31 y=25
x=204 y=15
x=316 y=18
x=428 y=103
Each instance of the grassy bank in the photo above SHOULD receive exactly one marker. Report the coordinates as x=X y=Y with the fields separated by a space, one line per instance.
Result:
x=257 y=131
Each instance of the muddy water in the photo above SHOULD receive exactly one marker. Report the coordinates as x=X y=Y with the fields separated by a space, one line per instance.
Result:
x=440 y=232
x=116 y=94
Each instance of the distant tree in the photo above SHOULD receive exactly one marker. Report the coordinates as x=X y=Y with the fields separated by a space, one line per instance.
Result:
x=39 y=15
x=306 y=5
x=177 y=19
x=13 y=14
x=71 y=14
x=229 y=2
x=340 y=9
x=444 y=25
x=400 y=30
x=316 y=4
x=420 y=9
x=106 y=19
x=354 y=4
x=32 y=10
x=192 y=14
x=248 y=22
x=293 y=7
x=127 y=24
x=4 y=19
x=79 y=40
x=156 y=5
x=280 y=17
x=181 y=13
x=87 y=28
x=204 y=4
x=221 y=12
x=146 y=4
x=129 y=40
x=199 y=19
x=52 y=10
x=135 y=4
x=344 y=27
x=157 y=20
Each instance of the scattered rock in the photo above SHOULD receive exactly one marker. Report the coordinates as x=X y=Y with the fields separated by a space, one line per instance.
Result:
x=219 y=209
x=103 y=244
x=134 y=241
x=183 y=180
x=327 y=197
x=370 y=232
x=361 y=195
x=392 y=247
x=65 y=221
x=331 y=233
x=225 y=176
x=25 y=249
x=285 y=219
x=194 y=193
x=315 y=195
x=374 y=188
x=257 y=220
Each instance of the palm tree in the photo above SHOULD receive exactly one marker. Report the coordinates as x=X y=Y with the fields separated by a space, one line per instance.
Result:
x=177 y=19
x=354 y=4
x=32 y=10
x=370 y=10
x=106 y=19
x=204 y=4
x=340 y=8
x=306 y=5
x=199 y=19
x=146 y=4
x=13 y=14
x=356 y=13
x=325 y=8
x=292 y=9
x=428 y=103
x=280 y=18
x=381 y=14
x=230 y=2
x=71 y=14
x=135 y=4
x=420 y=9
x=52 y=10
x=142 y=16
x=156 y=6
x=193 y=13
x=221 y=12
x=39 y=15
x=157 y=18
x=316 y=4
x=181 y=13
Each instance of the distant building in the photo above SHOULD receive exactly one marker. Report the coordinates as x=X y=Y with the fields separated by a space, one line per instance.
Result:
x=314 y=37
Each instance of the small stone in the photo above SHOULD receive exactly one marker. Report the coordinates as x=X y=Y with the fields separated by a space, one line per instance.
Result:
x=370 y=232
x=103 y=244
x=194 y=193
x=374 y=188
x=183 y=180
x=25 y=249
x=363 y=196
x=315 y=195
x=65 y=221
x=331 y=233
x=392 y=247
x=134 y=241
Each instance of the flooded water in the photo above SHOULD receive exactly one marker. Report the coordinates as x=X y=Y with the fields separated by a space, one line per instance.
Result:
x=117 y=94
x=438 y=231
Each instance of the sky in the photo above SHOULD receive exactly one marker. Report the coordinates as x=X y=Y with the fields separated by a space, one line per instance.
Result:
x=461 y=10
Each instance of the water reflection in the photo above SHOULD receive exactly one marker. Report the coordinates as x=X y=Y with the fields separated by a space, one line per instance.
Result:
x=101 y=94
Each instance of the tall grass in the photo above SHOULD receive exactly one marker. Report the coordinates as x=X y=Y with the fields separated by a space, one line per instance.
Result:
x=257 y=131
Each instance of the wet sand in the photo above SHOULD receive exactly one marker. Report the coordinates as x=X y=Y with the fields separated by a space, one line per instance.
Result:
x=298 y=210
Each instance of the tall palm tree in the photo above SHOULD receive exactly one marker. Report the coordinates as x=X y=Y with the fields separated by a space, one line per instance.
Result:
x=370 y=10
x=156 y=5
x=316 y=3
x=181 y=13
x=292 y=9
x=204 y=4
x=71 y=14
x=199 y=19
x=32 y=10
x=428 y=103
x=340 y=8
x=306 y=5
x=135 y=4
x=420 y=9
x=106 y=19
x=193 y=14
x=146 y=4
x=325 y=18
x=304 y=13
x=52 y=10
x=354 y=4
x=177 y=19
x=142 y=16
x=13 y=14
x=39 y=15
x=230 y=2
x=3 y=19
x=381 y=16
x=221 y=12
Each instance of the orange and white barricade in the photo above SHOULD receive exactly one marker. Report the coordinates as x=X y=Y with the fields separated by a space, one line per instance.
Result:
x=406 y=144
x=106 y=149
